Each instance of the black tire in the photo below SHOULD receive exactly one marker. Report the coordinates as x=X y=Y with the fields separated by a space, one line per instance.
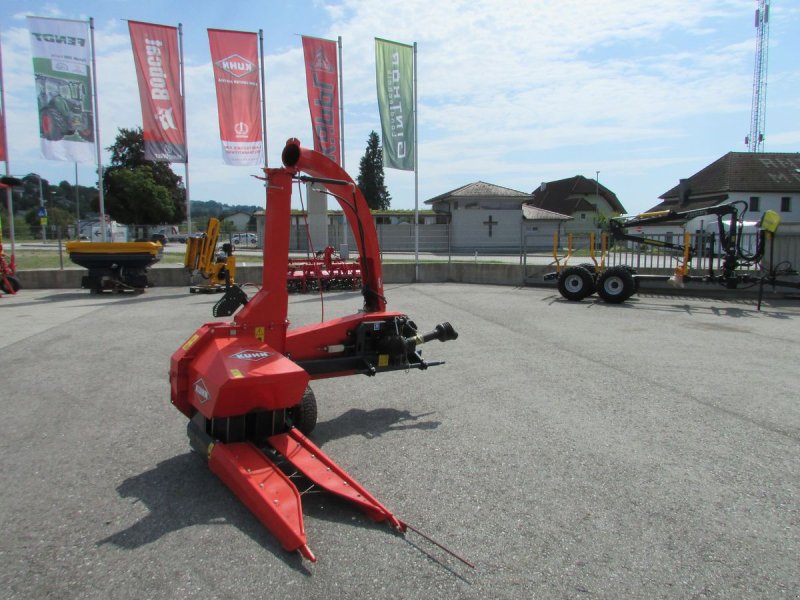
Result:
x=13 y=282
x=616 y=285
x=589 y=267
x=304 y=415
x=575 y=283
x=52 y=123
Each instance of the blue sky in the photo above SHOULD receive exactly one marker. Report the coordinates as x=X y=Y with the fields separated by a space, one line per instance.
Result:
x=512 y=93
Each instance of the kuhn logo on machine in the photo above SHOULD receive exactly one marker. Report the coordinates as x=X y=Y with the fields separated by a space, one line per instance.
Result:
x=236 y=65
x=202 y=391
x=253 y=355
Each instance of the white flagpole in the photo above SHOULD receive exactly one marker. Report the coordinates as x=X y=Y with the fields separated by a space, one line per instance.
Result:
x=341 y=103
x=185 y=132
x=263 y=99
x=416 y=174
x=97 y=137
x=9 y=195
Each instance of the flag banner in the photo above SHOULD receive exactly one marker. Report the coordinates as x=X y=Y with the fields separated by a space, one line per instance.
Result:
x=395 y=76
x=62 y=69
x=156 y=55
x=234 y=55
x=322 y=82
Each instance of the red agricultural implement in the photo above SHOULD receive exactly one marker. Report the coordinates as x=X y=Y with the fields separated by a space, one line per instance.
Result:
x=326 y=273
x=244 y=383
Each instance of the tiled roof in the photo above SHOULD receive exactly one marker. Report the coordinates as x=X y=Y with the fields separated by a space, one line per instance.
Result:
x=533 y=213
x=480 y=189
x=567 y=196
x=745 y=172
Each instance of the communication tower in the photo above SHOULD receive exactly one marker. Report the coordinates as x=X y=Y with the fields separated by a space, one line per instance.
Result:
x=758 y=112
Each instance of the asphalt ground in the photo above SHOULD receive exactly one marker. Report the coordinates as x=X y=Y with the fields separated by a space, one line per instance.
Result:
x=568 y=450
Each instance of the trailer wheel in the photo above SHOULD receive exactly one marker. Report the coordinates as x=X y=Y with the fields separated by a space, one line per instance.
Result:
x=575 y=283
x=616 y=285
x=304 y=415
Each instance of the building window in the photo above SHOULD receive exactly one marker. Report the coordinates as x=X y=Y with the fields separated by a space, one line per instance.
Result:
x=786 y=204
x=455 y=205
x=583 y=216
x=754 y=204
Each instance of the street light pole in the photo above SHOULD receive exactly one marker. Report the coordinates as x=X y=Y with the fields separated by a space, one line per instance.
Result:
x=42 y=207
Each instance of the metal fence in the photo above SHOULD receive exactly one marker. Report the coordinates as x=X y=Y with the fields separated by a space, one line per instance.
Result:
x=783 y=252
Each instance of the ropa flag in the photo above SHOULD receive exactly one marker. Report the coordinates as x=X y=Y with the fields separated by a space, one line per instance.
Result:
x=234 y=55
x=155 y=52
x=61 y=66
x=394 y=72
x=322 y=82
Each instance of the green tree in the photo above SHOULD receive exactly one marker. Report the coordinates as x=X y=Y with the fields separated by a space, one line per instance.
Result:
x=139 y=191
x=370 y=175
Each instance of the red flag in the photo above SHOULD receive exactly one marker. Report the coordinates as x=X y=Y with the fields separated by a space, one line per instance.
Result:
x=155 y=52
x=322 y=82
x=235 y=58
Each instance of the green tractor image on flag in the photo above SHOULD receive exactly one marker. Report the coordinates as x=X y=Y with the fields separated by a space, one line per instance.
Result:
x=61 y=108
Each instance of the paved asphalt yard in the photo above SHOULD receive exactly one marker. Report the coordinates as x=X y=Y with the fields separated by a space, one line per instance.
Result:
x=569 y=450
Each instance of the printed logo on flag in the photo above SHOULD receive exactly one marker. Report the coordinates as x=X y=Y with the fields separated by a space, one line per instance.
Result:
x=236 y=65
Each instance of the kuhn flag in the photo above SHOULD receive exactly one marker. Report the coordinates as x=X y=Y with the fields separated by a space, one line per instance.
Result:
x=322 y=82
x=157 y=59
x=395 y=67
x=61 y=66
x=234 y=55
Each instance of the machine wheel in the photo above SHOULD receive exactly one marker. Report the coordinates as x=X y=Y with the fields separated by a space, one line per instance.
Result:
x=575 y=283
x=616 y=285
x=52 y=124
x=9 y=281
x=304 y=415
x=589 y=267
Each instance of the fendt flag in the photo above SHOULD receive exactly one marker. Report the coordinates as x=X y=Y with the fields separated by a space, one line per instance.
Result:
x=156 y=55
x=322 y=82
x=234 y=55
x=61 y=65
x=395 y=77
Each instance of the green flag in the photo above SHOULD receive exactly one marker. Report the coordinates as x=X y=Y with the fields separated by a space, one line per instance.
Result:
x=395 y=67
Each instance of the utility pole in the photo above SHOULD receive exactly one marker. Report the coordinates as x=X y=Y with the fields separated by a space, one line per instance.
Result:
x=758 y=112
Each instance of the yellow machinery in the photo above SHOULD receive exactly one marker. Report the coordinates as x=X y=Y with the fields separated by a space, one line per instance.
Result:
x=202 y=259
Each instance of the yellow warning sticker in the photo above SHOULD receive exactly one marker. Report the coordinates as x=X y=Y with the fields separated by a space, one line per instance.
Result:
x=260 y=334
x=236 y=374
x=383 y=360
x=190 y=342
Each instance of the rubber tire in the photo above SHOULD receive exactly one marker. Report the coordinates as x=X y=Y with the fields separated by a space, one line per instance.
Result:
x=53 y=125
x=589 y=267
x=575 y=283
x=616 y=285
x=12 y=281
x=304 y=415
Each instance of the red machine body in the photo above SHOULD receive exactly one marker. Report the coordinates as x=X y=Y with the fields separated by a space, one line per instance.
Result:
x=244 y=383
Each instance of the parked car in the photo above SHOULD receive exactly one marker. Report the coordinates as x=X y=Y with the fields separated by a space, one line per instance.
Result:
x=159 y=237
x=245 y=240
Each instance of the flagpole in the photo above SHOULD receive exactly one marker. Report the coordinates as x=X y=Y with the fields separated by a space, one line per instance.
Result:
x=185 y=132
x=97 y=137
x=9 y=195
x=263 y=98
x=341 y=103
x=416 y=173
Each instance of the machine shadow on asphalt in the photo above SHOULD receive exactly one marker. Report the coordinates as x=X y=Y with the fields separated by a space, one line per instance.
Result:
x=184 y=481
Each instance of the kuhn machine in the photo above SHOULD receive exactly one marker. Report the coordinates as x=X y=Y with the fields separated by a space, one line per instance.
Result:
x=243 y=384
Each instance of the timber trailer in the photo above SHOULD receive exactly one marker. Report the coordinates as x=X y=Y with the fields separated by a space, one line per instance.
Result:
x=244 y=384
x=617 y=283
